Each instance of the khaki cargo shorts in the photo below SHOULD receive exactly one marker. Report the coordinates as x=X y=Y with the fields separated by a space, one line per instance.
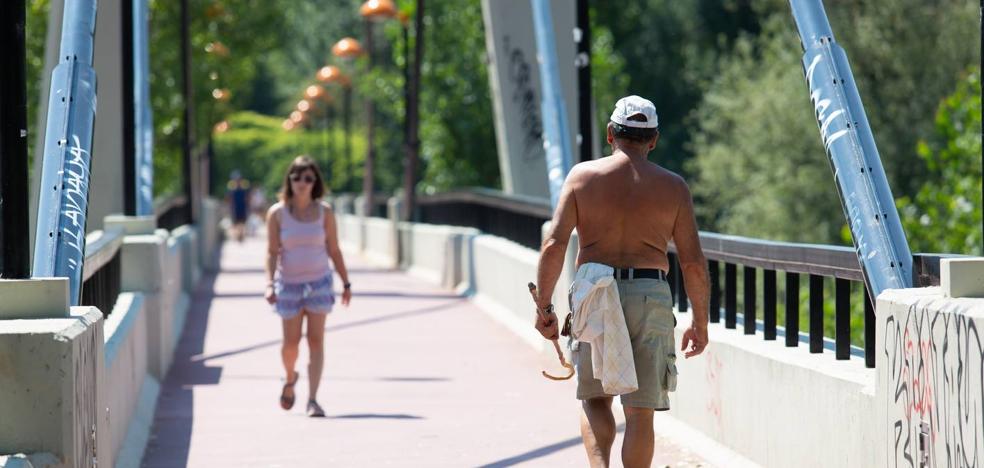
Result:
x=648 y=310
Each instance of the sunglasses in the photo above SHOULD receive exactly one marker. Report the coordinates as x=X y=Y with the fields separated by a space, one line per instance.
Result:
x=298 y=178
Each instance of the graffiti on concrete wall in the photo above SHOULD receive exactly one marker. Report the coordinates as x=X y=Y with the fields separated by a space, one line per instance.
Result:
x=524 y=97
x=935 y=369
x=713 y=371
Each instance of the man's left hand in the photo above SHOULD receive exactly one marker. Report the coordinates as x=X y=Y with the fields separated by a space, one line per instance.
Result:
x=694 y=340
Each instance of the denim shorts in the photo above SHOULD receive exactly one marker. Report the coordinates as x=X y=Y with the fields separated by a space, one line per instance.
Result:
x=316 y=297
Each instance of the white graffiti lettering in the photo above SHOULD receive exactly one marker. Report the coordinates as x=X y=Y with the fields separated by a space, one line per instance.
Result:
x=75 y=197
x=821 y=105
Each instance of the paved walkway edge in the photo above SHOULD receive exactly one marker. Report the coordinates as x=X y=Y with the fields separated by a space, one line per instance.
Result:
x=138 y=432
x=699 y=443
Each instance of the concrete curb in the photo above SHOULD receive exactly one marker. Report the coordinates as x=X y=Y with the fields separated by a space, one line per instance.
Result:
x=138 y=432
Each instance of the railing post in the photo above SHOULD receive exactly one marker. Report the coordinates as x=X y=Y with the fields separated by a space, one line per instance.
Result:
x=749 y=310
x=792 y=309
x=869 y=332
x=714 y=273
x=816 y=314
x=681 y=289
x=769 y=303
x=842 y=319
x=730 y=295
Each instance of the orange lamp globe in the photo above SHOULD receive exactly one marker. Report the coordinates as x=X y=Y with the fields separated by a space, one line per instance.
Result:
x=222 y=127
x=221 y=94
x=332 y=74
x=288 y=125
x=297 y=116
x=377 y=9
x=314 y=92
x=347 y=48
x=217 y=48
x=303 y=105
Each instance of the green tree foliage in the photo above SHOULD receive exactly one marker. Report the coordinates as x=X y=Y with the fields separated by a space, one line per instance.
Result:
x=671 y=49
x=36 y=29
x=226 y=38
x=258 y=147
x=456 y=128
x=760 y=168
x=945 y=215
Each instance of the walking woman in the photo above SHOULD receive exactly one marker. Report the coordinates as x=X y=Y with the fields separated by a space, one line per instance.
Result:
x=301 y=237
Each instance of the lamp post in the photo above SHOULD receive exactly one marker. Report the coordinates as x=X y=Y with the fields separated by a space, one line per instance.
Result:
x=315 y=93
x=371 y=11
x=15 y=253
x=331 y=74
x=412 y=110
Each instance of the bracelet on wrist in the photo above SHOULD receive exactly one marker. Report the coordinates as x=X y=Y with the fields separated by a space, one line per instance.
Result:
x=347 y=285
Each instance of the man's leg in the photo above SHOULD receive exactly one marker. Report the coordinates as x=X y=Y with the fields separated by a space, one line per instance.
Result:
x=637 y=444
x=598 y=430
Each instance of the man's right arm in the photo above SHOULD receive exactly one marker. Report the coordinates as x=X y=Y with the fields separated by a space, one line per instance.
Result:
x=694 y=267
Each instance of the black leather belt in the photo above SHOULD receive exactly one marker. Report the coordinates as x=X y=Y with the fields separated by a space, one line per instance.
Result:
x=636 y=273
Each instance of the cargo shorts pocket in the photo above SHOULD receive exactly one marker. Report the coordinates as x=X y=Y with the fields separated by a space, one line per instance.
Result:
x=671 y=373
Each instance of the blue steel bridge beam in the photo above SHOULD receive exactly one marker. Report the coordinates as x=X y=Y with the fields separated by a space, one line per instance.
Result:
x=880 y=243
x=63 y=201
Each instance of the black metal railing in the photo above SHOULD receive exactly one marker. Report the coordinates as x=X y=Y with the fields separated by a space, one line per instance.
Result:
x=517 y=218
x=171 y=212
x=815 y=278
x=101 y=271
x=821 y=267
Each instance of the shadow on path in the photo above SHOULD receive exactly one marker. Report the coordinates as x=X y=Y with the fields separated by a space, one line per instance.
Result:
x=170 y=438
x=330 y=329
x=379 y=294
x=542 y=451
x=375 y=416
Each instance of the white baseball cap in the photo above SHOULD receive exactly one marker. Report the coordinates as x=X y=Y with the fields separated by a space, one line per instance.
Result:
x=635 y=105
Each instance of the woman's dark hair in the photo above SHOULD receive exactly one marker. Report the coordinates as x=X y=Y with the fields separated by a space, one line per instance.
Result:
x=298 y=166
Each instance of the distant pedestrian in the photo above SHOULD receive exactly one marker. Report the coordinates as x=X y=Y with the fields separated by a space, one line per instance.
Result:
x=626 y=210
x=302 y=246
x=237 y=194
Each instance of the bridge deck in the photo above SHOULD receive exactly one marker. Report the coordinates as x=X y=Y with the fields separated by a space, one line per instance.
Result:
x=414 y=376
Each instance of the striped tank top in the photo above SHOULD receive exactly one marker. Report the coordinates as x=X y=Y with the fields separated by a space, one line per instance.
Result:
x=303 y=251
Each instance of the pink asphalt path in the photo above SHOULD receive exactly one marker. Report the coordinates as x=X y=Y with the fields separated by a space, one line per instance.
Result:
x=414 y=376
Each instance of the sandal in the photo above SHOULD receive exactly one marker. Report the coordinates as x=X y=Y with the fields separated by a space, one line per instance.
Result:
x=287 y=402
x=314 y=410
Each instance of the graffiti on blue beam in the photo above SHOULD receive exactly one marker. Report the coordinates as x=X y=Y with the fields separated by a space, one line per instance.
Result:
x=67 y=159
x=556 y=141
x=143 y=118
x=866 y=198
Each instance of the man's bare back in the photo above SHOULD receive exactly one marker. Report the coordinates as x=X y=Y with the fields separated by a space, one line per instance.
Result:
x=628 y=210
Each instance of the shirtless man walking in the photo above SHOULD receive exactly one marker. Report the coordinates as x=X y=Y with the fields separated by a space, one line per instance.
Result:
x=626 y=210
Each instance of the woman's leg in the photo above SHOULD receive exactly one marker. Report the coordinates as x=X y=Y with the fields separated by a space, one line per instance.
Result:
x=316 y=348
x=291 y=346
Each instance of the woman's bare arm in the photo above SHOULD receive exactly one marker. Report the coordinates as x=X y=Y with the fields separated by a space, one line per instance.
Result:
x=331 y=243
x=273 y=241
